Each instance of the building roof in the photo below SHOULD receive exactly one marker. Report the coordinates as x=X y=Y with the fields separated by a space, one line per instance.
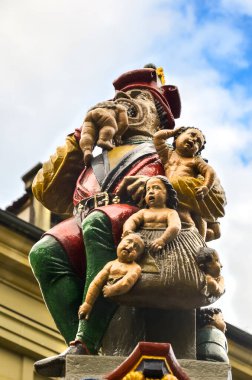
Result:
x=239 y=336
x=29 y=230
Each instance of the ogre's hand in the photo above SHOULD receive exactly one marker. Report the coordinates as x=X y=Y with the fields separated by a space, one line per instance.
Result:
x=201 y=192
x=133 y=187
x=84 y=310
x=157 y=245
x=104 y=123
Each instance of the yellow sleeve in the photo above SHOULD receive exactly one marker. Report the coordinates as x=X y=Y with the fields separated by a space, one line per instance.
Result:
x=55 y=182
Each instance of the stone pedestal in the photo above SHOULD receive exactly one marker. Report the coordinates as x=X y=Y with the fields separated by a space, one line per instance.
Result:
x=132 y=325
x=81 y=367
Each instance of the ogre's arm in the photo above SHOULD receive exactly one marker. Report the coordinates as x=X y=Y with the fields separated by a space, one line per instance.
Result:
x=55 y=182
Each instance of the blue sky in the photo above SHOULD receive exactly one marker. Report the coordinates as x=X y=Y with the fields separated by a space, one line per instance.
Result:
x=61 y=57
x=235 y=68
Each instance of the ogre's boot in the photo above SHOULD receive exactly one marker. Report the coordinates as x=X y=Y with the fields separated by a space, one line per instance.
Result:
x=55 y=366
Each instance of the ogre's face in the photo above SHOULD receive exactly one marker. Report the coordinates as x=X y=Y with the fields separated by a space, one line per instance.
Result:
x=142 y=113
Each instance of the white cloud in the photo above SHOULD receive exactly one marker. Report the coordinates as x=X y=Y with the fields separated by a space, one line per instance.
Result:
x=238 y=6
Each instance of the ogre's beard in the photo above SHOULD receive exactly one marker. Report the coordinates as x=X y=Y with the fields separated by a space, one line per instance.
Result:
x=142 y=113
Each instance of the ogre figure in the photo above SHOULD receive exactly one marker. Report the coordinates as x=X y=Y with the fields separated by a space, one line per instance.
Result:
x=103 y=194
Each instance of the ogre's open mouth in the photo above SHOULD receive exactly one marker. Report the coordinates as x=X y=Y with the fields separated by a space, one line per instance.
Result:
x=141 y=111
x=132 y=109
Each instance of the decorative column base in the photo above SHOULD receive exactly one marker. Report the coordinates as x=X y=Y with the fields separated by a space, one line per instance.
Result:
x=96 y=367
x=132 y=325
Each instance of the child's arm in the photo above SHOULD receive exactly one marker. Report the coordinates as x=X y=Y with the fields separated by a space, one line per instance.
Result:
x=221 y=284
x=94 y=290
x=209 y=177
x=215 y=287
x=171 y=232
x=159 y=140
x=123 y=285
x=133 y=223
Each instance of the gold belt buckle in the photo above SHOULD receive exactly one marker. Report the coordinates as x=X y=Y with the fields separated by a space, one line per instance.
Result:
x=101 y=199
x=80 y=207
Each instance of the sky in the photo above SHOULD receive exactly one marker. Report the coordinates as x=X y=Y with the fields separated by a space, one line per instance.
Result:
x=60 y=57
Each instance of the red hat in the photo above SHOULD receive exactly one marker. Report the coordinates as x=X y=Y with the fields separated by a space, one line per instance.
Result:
x=166 y=97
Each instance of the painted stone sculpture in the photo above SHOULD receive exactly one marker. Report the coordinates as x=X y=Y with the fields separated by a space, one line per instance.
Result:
x=118 y=276
x=104 y=193
x=111 y=119
x=160 y=213
x=211 y=341
x=209 y=262
x=179 y=282
x=200 y=199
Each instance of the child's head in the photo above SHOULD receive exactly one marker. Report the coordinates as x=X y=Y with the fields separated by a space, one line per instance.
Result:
x=130 y=248
x=190 y=139
x=208 y=261
x=211 y=316
x=158 y=189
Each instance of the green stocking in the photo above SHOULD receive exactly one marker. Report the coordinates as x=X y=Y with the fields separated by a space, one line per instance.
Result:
x=100 y=249
x=61 y=288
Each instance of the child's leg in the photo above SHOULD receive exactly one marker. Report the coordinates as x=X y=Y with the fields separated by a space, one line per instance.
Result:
x=188 y=217
x=201 y=225
x=213 y=231
x=185 y=215
x=108 y=128
x=89 y=136
x=106 y=136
